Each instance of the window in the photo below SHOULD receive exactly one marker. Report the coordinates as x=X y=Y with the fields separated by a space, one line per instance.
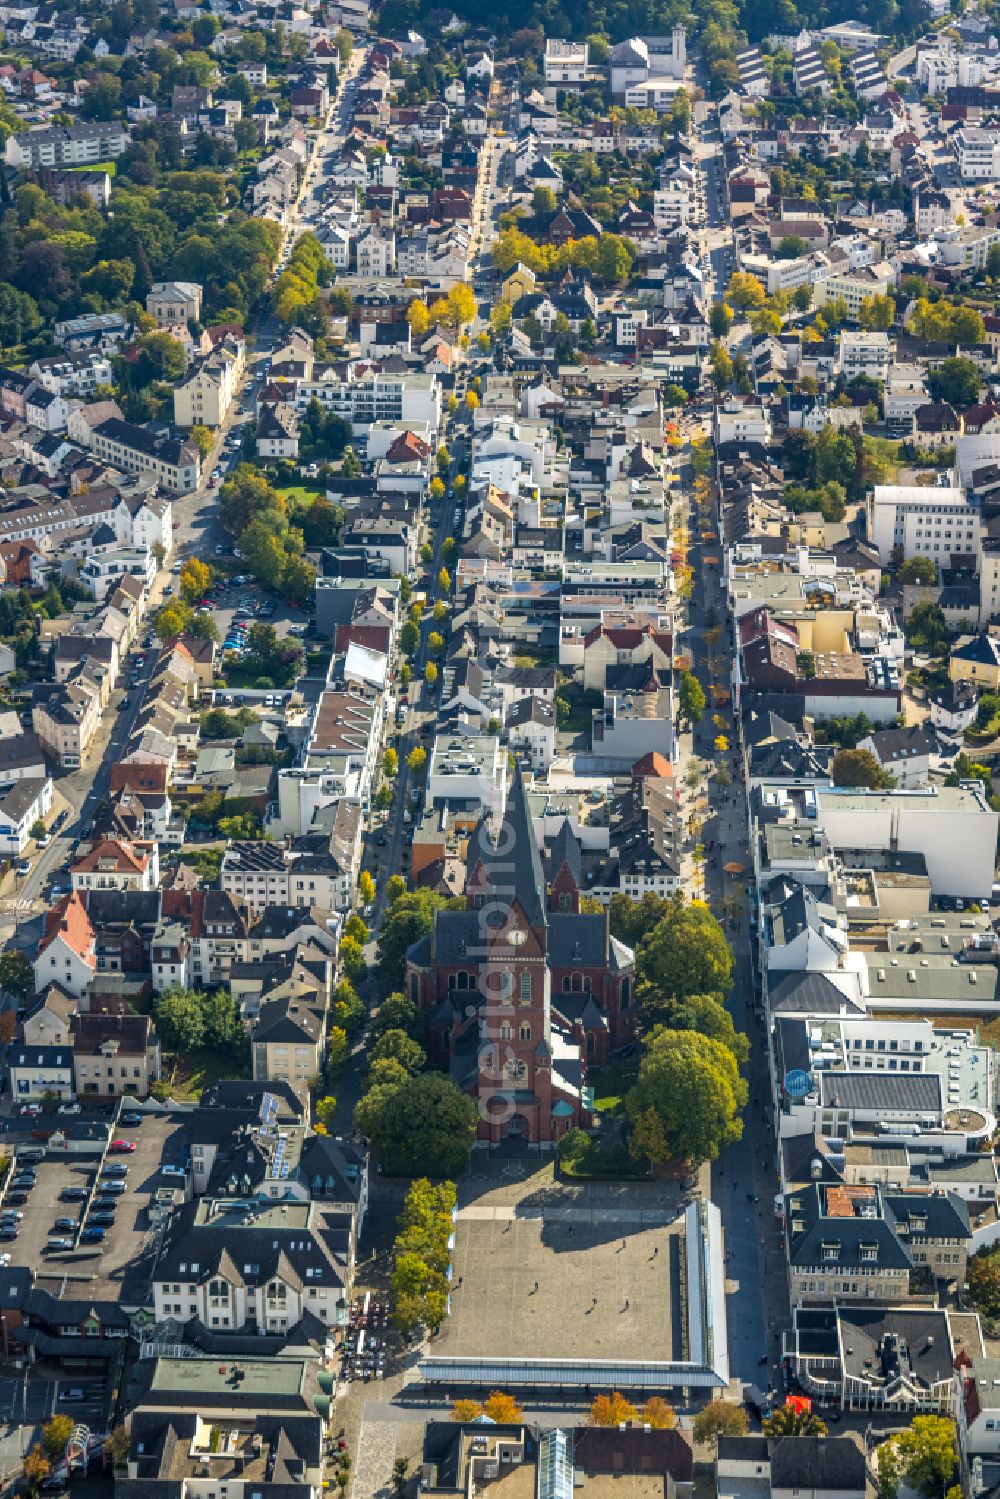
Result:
x=506 y=1032
x=525 y=986
x=525 y=1033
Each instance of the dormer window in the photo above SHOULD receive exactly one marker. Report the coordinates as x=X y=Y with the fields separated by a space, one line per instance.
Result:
x=831 y=1251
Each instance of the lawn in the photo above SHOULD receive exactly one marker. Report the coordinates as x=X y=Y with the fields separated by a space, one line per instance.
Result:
x=580 y=707
x=605 y=1163
x=610 y=1084
x=111 y=167
x=301 y=494
x=192 y=1073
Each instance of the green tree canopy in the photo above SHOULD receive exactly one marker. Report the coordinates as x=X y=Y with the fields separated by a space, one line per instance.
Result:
x=424 y=1124
x=685 y=954
x=858 y=767
x=693 y=1085
x=408 y=919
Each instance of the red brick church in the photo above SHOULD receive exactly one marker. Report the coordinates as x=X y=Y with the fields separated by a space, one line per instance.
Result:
x=521 y=989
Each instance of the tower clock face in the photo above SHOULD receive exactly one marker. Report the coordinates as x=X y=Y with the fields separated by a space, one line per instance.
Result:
x=515 y=1070
x=517 y=938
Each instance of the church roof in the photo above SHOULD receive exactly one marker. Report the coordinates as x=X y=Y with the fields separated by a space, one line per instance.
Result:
x=512 y=862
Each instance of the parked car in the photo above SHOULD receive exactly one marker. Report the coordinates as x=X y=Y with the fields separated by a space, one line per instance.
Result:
x=69 y=1108
x=65 y=1225
x=122 y=1147
x=131 y=1119
x=72 y=1396
x=58 y=1241
x=73 y=1194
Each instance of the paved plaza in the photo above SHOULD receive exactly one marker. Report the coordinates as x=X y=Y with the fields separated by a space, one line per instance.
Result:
x=580 y=1270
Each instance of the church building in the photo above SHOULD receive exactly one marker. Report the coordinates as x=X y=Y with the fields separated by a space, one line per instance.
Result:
x=522 y=990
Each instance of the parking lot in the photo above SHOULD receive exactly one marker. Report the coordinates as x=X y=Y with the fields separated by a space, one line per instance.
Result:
x=123 y=1252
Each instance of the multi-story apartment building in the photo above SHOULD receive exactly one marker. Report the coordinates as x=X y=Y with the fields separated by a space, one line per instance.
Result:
x=176 y=463
x=373 y=396
x=863 y=1242
x=258 y=1269
x=67 y=145
x=206 y=394
x=910 y=520
x=978 y=154
x=66 y=717
x=566 y=62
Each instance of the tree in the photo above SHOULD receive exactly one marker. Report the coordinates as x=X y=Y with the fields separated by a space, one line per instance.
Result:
x=117 y=1445
x=720 y=319
x=348 y=1012
x=611 y=1410
x=172 y=620
x=55 y=1434
x=928 y=1455
x=397 y=1046
x=647 y=1140
x=956 y=380
x=366 y=888
x=793 y=1421
x=877 y=313
x=502 y=1408
x=416 y=761
x=383 y=797
x=543 y=200
x=721 y=366
x=745 y=291
x=921 y=570
x=390 y=763
x=409 y=917
x=858 y=767
x=418 y=317
x=706 y=1014
x=36 y=1467
x=350 y=464
x=466 y=1411
x=658 y=1414
x=694 y=1086
x=325 y=1111
x=927 y=629
x=202 y=439
x=356 y=927
x=684 y=954
x=400 y=1470
x=195 y=580
x=19 y=316
x=409 y=638
x=690 y=697
x=17 y=976
x=430 y=673
x=984 y=1282
x=444 y=581
x=790 y=247
x=180 y=1019
x=719 y=1418
x=352 y=959
x=425 y=1123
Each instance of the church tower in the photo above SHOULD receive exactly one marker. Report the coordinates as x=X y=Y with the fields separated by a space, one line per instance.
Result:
x=506 y=886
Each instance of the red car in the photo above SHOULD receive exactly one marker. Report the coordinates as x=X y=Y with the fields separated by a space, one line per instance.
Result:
x=122 y=1147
